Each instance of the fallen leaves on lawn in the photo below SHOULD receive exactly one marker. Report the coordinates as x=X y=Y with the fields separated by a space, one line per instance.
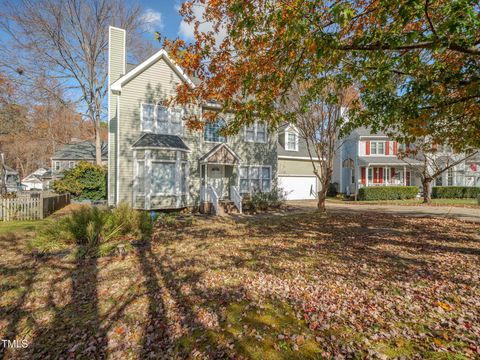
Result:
x=301 y=285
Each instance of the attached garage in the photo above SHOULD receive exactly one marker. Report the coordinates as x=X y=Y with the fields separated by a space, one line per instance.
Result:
x=298 y=187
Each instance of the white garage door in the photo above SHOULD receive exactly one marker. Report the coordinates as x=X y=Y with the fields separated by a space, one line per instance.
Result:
x=298 y=187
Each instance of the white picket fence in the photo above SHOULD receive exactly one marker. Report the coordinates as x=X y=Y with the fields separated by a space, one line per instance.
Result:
x=31 y=207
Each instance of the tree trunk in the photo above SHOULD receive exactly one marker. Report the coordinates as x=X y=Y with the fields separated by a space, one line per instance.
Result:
x=427 y=199
x=322 y=196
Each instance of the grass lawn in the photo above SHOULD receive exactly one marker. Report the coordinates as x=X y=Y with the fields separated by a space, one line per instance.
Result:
x=297 y=286
x=418 y=201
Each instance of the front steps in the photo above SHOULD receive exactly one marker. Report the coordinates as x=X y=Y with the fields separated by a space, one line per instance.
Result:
x=225 y=207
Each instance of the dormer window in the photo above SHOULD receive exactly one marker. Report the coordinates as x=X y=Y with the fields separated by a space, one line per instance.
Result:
x=257 y=132
x=160 y=119
x=291 y=141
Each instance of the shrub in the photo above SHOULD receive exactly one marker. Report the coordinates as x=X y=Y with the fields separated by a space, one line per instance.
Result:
x=98 y=231
x=84 y=181
x=332 y=190
x=264 y=200
x=387 y=192
x=455 y=192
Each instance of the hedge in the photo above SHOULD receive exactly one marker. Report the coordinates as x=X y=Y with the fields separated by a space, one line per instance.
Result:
x=387 y=192
x=455 y=192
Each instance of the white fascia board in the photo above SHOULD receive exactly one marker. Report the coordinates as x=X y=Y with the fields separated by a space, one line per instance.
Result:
x=117 y=85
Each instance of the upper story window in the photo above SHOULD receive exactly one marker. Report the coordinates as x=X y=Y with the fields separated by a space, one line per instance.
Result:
x=377 y=147
x=212 y=131
x=160 y=119
x=257 y=132
x=56 y=165
x=291 y=141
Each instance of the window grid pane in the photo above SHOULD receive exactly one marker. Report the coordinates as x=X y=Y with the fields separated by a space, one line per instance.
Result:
x=163 y=178
x=212 y=131
x=148 y=116
x=140 y=177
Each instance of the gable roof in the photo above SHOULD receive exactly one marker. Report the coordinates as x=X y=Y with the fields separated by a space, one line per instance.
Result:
x=148 y=140
x=221 y=154
x=161 y=54
x=84 y=150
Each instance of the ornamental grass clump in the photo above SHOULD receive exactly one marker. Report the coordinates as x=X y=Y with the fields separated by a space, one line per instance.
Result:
x=96 y=231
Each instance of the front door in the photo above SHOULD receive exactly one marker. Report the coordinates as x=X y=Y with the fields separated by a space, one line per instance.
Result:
x=216 y=175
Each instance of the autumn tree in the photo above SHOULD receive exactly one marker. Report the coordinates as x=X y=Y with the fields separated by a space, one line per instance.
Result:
x=66 y=40
x=435 y=160
x=416 y=63
x=33 y=127
x=319 y=118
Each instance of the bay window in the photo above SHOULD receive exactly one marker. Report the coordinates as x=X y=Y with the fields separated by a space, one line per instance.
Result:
x=163 y=178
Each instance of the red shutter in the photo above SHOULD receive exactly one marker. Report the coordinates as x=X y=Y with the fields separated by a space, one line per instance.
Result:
x=367 y=147
x=395 y=148
x=408 y=178
x=393 y=173
x=380 y=175
x=387 y=148
x=363 y=176
x=375 y=179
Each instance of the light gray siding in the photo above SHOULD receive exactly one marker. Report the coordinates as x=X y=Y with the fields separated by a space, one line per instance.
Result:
x=154 y=85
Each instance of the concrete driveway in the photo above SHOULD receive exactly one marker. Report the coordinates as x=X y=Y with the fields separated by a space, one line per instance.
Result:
x=460 y=213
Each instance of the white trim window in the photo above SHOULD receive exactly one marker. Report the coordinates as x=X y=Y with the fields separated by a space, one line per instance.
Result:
x=147 y=113
x=159 y=119
x=163 y=178
x=291 y=141
x=71 y=164
x=256 y=132
x=212 y=129
x=377 y=147
x=140 y=177
x=56 y=165
x=255 y=179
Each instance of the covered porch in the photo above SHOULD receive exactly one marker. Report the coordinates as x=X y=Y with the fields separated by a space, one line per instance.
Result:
x=219 y=179
x=387 y=171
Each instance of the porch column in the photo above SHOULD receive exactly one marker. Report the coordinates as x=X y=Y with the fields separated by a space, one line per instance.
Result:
x=366 y=175
x=178 y=177
x=404 y=176
x=206 y=183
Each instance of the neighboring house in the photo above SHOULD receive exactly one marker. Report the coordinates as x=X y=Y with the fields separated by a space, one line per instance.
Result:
x=370 y=159
x=156 y=162
x=38 y=180
x=295 y=168
x=466 y=173
x=71 y=154
x=12 y=179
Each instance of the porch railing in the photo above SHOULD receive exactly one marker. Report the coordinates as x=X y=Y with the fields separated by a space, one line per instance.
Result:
x=236 y=198
x=213 y=198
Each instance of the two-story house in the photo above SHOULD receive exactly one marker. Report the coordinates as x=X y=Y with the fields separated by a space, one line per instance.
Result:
x=69 y=155
x=366 y=158
x=155 y=161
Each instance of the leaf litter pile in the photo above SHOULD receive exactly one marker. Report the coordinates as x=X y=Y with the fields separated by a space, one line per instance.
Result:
x=295 y=286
